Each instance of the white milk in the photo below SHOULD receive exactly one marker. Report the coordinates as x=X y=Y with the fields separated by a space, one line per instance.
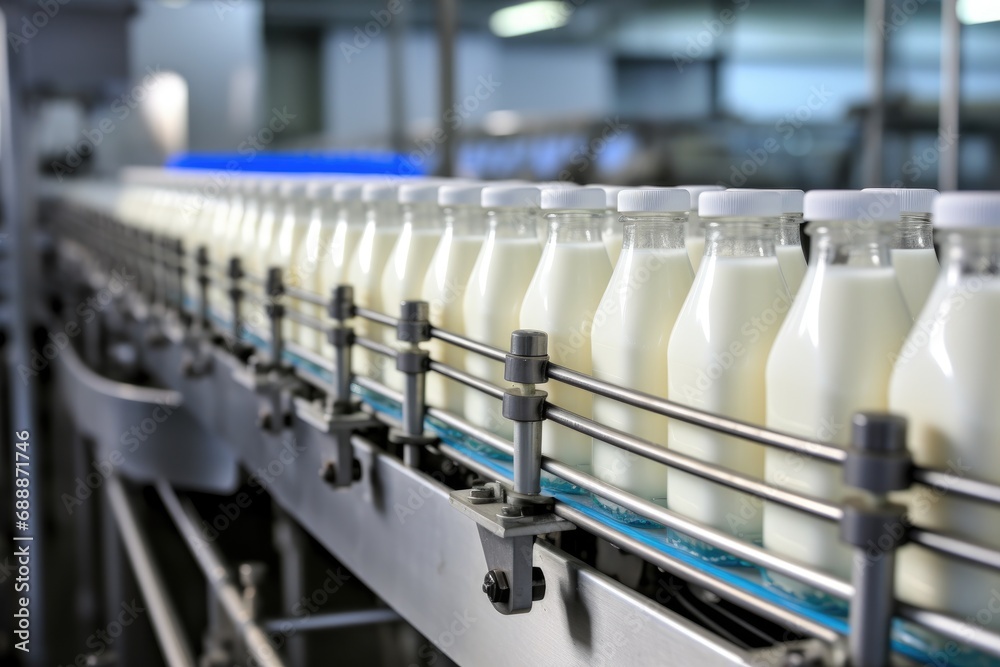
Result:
x=695 y=245
x=444 y=290
x=293 y=225
x=793 y=266
x=916 y=269
x=336 y=255
x=309 y=257
x=613 y=244
x=491 y=312
x=562 y=300
x=403 y=279
x=716 y=355
x=947 y=384
x=365 y=274
x=264 y=228
x=629 y=348
x=831 y=359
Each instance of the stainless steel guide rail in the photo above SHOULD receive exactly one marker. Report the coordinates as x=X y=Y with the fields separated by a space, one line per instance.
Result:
x=870 y=588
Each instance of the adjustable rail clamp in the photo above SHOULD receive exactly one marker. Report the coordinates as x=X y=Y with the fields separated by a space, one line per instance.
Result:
x=413 y=362
x=509 y=518
x=273 y=379
x=342 y=416
x=198 y=339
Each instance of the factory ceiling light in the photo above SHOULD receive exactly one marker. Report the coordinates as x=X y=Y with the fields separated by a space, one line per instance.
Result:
x=978 y=11
x=529 y=17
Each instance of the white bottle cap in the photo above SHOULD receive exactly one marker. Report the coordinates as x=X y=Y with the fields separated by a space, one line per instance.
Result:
x=745 y=204
x=611 y=194
x=696 y=190
x=511 y=196
x=348 y=191
x=967 y=209
x=379 y=192
x=573 y=199
x=831 y=205
x=791 y=200
x=911 y=200
x=653 y=200
x=468 y=194
x=413 y=193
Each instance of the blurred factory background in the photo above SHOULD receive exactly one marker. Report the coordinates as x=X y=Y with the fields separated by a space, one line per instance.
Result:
x=759 y=93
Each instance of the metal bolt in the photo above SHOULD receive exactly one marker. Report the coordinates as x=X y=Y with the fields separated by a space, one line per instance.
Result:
x=511 y=511
x=264 y=420
x=328 y=472
x=537 y=584
x=495 y=586
x=482 y=492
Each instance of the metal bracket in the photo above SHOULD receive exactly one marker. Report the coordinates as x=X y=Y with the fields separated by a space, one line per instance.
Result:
x=276 y=386
x=507 y=532
x=342 y=469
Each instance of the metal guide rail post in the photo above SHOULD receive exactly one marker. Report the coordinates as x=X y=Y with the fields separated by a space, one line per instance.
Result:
x=510 y=513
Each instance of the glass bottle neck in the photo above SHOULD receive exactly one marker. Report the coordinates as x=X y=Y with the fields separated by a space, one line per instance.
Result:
x=422 y=216
x=743 y=237
x=464 y=220
x=513 y=222
x=789 y=230
x=653 y=231
x=913 y=232
x=574 y=226
x=383 y=214
x=850 y=243
x=695 y=225
x=970 y=253
x=351 y=213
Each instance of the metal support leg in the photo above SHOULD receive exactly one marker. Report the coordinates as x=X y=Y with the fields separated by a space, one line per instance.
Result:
x=276 y=313
x=204 y=287
x=509 y=519
x=877 y=464
x=524 y=405
x=414 y=328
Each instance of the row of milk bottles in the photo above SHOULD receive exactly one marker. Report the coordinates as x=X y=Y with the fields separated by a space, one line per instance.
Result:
x=696 y=294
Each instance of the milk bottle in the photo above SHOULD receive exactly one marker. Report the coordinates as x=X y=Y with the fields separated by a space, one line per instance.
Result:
x=611 y=232
x=311 y=253
x=947 y=384
x=832 y=358
x=717 y=353
x=695 y=241
x=446 y=281
x=347 y=231
x=403 y=277
x=227 y=245
x=630 y=334
x=562 y=301
x=788 y=243
x=913 y=245
x=491 y=309
x=260 y=224
x=364 y=272
x=292 y=223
